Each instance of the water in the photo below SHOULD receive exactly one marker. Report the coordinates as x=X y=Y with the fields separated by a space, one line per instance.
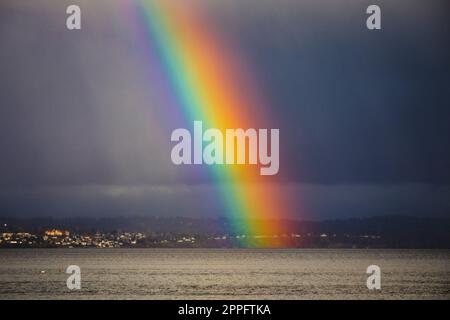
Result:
x=224 y=274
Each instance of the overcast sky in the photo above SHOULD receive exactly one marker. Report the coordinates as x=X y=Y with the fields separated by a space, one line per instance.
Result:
x=363 y=115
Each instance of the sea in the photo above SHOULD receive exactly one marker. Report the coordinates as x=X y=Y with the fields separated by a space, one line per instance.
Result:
x=224 y=273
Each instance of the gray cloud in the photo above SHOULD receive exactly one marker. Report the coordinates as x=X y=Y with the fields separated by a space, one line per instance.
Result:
x=363 y=116
x=311 y=201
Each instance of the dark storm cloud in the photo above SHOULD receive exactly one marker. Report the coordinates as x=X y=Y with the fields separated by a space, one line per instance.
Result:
x=311 y=201
x=364 y=115
x=354 y=105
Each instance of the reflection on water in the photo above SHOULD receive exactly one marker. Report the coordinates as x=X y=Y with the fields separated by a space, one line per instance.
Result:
x=223 y=274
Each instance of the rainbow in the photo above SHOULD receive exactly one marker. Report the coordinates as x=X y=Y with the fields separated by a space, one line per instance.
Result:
x=210 y=83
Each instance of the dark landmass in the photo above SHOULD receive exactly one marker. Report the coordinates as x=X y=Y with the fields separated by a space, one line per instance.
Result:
x=373 y=232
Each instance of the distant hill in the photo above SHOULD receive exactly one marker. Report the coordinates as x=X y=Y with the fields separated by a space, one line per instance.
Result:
x=380 y=231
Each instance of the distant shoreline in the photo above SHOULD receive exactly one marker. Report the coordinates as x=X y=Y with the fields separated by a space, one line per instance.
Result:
x=379 y=232
x=226 y=249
